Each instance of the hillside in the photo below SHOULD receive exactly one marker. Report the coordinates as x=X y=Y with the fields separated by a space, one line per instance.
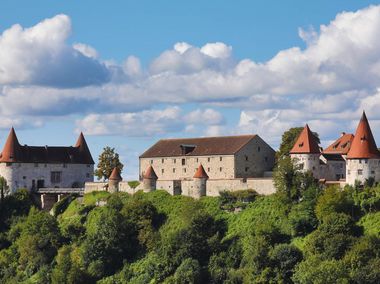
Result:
x=326 y=236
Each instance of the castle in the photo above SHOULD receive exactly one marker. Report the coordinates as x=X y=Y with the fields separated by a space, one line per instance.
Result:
x=349 y=159
x=36 y=167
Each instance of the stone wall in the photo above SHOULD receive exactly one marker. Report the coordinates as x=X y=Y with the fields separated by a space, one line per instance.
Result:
x=309 y=162
x=255 y=158
x=362 y=169
x=21 y=175
x=184 y=167
x=95 y=186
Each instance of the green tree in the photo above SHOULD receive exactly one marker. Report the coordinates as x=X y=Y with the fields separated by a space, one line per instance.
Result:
x=189 y=272
x=108 y=160
x=288 y=139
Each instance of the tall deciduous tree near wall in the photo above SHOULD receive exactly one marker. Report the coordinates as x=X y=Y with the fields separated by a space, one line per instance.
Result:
x=108 y=160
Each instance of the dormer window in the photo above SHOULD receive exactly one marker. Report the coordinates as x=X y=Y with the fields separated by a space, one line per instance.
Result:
x=187 y=148
x=300 y=145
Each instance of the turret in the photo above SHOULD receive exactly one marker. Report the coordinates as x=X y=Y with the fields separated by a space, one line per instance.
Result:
x=306 y=152
x=199 y=183
x=114 y=180
x=84 y=151
x=149 y=179
x=363 y=158
x=12 y=151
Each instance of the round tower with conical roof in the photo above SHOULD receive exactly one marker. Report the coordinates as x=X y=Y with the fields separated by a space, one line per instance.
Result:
x=114 y=180
x=306 y=152
x=363 y=158
x=199 y=183
x=149 y=180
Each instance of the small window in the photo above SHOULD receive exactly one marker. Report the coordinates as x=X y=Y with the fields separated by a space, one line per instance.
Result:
x=162 y=161
x=174 y=161
x=46 y=166
x=55 y=177
x=184 y=170
x=8 y=164
x=246 y=169
x=246 y=157
x=348 y=172
x=87 y=166
x=266 y=159
x=360 y=161
x=197 y=160
x=162 y=171
x=313 y=168
x=173 y=170
x=151 y=162
x=183 y=162
x=366 y=161
x=65 y=165
x=36 y=165
x=221 y=159
x=208 y=159
x=360 y=172
x=220 y=169
x=372 y=172
x=208 y=169
x=258 y=149
x=87 y=175
x=301 y=166
x=24 y=177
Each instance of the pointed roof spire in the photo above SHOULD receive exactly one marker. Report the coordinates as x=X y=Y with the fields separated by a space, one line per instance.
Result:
x=84 y=151
x=115 y=175
x=364 y=145
x=12 y=150
x=150 y=173
x=200 y=173
x=306 y=143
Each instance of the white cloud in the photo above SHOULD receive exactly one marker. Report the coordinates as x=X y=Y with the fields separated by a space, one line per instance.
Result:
x=39 y=55
x=151 y=122
x=86 y=50
x=217 y=50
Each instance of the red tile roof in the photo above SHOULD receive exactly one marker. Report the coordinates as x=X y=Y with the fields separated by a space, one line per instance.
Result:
x=306 y=143
x=200 y=173
x=150 y=173
x=13 y=151
x=115 y=175
x=363 y=145
x=225 y=145
x=341 y=146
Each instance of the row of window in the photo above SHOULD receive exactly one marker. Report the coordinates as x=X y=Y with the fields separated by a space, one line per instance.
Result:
x=184 y=170
x=36 y=165
x=183 y=161
x=360 y=172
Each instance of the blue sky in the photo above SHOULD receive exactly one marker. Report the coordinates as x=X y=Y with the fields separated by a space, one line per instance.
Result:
x=128 y=73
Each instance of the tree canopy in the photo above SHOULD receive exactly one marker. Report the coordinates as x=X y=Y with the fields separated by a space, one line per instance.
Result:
x=108 y=160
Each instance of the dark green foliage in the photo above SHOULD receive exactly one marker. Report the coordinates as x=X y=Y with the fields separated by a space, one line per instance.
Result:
x=303 y=234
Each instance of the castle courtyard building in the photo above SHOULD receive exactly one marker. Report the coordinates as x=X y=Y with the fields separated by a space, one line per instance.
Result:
x=35 y=167
x=225 y=158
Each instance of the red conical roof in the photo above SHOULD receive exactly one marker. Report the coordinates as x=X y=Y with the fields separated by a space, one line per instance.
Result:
x=12 y=150
x=200 y=173
x=306 y=143
x=115 y=175
x=84 y=151
x=364 y=145
x=150 y=173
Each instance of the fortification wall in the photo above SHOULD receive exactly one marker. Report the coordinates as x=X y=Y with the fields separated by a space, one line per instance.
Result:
x=95 y=186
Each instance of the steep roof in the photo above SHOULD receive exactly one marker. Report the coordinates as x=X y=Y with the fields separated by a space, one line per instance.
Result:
x=115 y=175
x=13 y=152
x=150 y=173
x=83 y=150
x=341 y=146
x=363 y=145
x=224 y=145
x=306 y=143
x=200 y=173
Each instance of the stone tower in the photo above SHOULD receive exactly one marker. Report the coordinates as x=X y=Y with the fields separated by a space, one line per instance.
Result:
x=306 y=152
x=114 y=180
x=363 y=158
x=149 y=180
x=199 y=185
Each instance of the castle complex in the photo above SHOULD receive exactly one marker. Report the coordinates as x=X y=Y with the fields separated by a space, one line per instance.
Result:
x=193 y=166
x=35 y=167
x=349 y=159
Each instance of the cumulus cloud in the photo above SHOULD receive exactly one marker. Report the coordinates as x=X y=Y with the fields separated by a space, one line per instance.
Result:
x=329 y=82
x=149 y=122
x=40 y=56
